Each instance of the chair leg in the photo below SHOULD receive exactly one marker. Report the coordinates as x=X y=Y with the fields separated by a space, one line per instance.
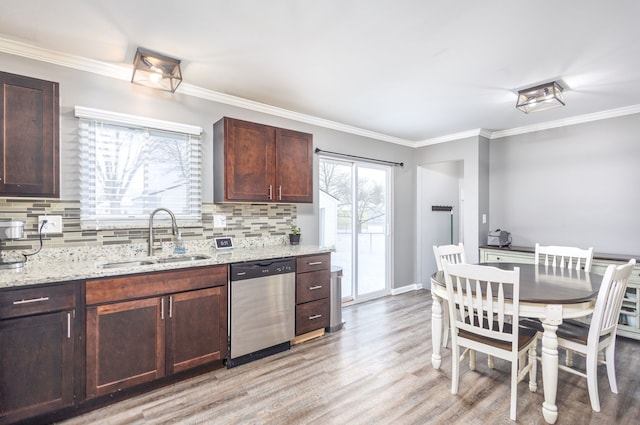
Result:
x=490 y=362
x=514 y=389
x=569 y=358
x=592 y=380
x=611 y=367
x=455 y=368
x=533 y=371
x=445 y=325
x=472 y=359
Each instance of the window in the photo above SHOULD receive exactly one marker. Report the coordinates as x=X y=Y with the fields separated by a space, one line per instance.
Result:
x=130 y=166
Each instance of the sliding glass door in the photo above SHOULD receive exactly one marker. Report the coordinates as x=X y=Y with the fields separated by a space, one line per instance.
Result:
x=355 y=220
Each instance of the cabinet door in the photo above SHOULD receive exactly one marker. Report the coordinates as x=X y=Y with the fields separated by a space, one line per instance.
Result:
x=249 y=171
x=197 y=328
x=29 y=136
x=125 y=344
x=294 y=166
x=36 y=365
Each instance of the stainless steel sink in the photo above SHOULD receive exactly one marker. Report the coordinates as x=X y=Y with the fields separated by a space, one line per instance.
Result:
x=184 y=258
x=124 y=264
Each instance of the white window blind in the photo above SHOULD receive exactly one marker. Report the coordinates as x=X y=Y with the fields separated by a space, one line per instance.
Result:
x=130 y=166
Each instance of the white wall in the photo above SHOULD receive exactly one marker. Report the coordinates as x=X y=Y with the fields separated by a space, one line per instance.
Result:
x=575 y=185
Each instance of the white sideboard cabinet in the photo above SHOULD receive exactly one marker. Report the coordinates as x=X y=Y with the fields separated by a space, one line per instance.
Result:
x=629 y=322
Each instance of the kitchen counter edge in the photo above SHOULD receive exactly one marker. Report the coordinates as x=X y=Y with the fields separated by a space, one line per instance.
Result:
x=37 y=273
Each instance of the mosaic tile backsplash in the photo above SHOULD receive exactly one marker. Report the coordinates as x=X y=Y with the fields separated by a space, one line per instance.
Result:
x=244 y=221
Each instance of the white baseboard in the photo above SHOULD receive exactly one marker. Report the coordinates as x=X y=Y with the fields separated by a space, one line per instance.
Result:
x=403 y=289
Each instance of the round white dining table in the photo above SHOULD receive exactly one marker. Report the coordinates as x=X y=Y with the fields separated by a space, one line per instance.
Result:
x=547 y=293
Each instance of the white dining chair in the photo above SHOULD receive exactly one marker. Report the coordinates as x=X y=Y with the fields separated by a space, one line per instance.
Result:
x=484 y=302
x=564 y=257
x=454 y=254
x=590 y=339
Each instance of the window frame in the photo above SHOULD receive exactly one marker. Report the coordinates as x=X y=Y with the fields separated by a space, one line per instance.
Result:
x=88 y=120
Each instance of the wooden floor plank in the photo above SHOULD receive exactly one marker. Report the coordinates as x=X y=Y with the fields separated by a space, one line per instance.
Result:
x=376 y=370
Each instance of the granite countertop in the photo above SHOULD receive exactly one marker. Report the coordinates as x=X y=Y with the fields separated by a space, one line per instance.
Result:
x=66 y=265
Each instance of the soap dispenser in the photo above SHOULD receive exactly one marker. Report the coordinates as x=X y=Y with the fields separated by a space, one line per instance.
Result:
x=179 y=248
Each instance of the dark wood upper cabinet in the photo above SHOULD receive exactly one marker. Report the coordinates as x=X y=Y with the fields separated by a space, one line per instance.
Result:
x=29 y=137
x=259 y=163
x=294 y=166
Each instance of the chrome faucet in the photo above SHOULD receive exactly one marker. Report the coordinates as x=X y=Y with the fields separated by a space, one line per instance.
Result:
x=174 y=227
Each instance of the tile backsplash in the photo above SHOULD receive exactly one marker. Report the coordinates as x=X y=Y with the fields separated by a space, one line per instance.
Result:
x=244 y=221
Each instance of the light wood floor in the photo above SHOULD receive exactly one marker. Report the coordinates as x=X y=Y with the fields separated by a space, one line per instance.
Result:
x=377 y=370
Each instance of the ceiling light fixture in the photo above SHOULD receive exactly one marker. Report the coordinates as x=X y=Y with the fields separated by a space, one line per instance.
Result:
x=540 y=98
x=155 y=70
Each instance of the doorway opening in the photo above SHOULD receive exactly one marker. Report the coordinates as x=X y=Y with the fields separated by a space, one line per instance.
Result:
x=439 y=184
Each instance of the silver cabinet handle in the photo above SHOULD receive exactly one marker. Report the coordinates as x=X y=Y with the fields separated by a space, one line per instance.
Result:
x=280 y=193
x=315 y=263
x=171 y=306
x=31 y=300
x=270 y=192
x=161 y=308
x=313 y=288
x=317 y=316
x=68 y=325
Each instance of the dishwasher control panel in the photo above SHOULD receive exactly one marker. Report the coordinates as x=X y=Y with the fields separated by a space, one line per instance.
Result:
x=252 y=270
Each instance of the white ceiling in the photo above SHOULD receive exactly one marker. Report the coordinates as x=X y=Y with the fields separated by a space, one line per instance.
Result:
x=409 y=70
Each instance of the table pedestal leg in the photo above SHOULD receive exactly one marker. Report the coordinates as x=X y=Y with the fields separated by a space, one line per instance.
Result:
x=550 y=372
x=436 y=330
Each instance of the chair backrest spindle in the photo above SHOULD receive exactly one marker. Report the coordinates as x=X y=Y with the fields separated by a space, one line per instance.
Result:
x=564 y=257
x=454 y=254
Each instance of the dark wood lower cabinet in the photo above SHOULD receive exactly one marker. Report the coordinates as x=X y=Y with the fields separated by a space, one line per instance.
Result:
x=36 y=354
x=197 y=328
x=312 y=316
x=176 y=321
x=71 y=347
x=125 y=345
x=313 y=284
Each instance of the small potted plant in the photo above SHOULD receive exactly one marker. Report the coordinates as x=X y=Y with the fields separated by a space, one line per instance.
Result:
x=294 y=236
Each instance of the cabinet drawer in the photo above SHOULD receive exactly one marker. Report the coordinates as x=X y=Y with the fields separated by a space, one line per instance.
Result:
x=312 y=286
x=313 y=262
x=154 y=284
x=507 y=257
x=311 y=316
x=43 y=299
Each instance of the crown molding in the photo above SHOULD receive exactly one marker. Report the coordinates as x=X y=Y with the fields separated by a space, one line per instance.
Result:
x=456 y=136
x=227 y=99
x=70 y=61
x=596 y=116
x=124 y=73
x=121 y=72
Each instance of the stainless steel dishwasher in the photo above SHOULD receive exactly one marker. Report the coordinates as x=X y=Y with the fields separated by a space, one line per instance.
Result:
x=261 y=309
